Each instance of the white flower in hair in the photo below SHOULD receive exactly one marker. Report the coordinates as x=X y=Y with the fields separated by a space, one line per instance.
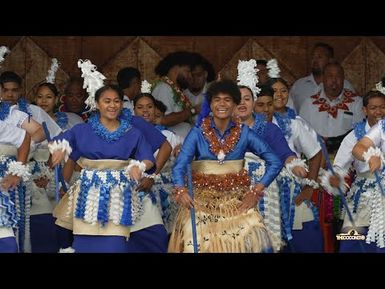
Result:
x=146 y=87
x=380 y=88
x=272 y=66
x=247 y=75
x=52 y=71
x=3 y=51
x=93 y=80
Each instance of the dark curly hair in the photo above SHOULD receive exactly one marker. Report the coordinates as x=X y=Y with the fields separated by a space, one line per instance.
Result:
x=225 y=86
x=180 y=58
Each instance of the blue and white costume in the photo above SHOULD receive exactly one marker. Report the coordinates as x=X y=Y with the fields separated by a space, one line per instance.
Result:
x=14 y=204
x=269 y=205
x=302 y=219
x=103 y=207
x=365 y=200
x=163 y=182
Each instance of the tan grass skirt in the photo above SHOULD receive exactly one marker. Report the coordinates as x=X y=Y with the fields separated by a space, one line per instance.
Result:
x=218 y=190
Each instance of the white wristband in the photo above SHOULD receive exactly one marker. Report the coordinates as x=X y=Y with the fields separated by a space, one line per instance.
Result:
x=18 y=169
x=296 y=162
x=155 y=177
x=325 y=183
x=62 y=145
x=310 y=183
x=372 y=152
x=141 y=165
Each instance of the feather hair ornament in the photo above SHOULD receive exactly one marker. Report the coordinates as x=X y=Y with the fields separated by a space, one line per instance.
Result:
x=93 y=80
x=3 y=51
x=380 y=87
x=247 y=75
x=146 y=87
x=272 y=66
x=52 y=71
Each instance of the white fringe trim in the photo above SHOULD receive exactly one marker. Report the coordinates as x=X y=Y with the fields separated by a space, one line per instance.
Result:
x=62 y=145
x=18 y=169
x=67 y=250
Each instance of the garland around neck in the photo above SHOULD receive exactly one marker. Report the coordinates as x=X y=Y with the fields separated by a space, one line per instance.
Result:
x=23 y=105
x=359 y=130
x=178 y=96
x=259 y=126
x=5 y=108
x=226 y=145
x=125 y=119
x=61 y=119
x=284 y=121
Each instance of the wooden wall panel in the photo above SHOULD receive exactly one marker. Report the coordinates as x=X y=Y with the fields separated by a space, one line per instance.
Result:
x=100 y=49
x=67 y=49
x=291 y=52
x=362 y=57
x=218 y=49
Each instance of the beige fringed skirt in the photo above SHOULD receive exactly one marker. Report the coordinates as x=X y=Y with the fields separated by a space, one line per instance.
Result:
x=218 y=190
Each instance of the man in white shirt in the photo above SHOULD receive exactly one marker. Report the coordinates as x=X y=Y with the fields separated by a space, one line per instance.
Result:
x=202 y=73
x=334 y=110
x=129 y=80
x=175 y=73
x=309 y=85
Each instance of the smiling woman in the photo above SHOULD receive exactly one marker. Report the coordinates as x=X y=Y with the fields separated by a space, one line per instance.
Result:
x=105 y=206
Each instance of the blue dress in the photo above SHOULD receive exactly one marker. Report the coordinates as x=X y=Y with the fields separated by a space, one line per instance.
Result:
x=106 y=195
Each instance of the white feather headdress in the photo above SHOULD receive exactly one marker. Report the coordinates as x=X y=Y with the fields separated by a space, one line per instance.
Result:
x=93 y=80
x=3 y=51
x=146 y=87
x=52 y=71
x=380 y=88
x=272 y=66
x=247 y=75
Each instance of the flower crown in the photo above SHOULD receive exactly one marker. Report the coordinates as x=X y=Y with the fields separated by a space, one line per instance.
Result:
x=247 y=75
x=52 y=71
x=93 y=80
